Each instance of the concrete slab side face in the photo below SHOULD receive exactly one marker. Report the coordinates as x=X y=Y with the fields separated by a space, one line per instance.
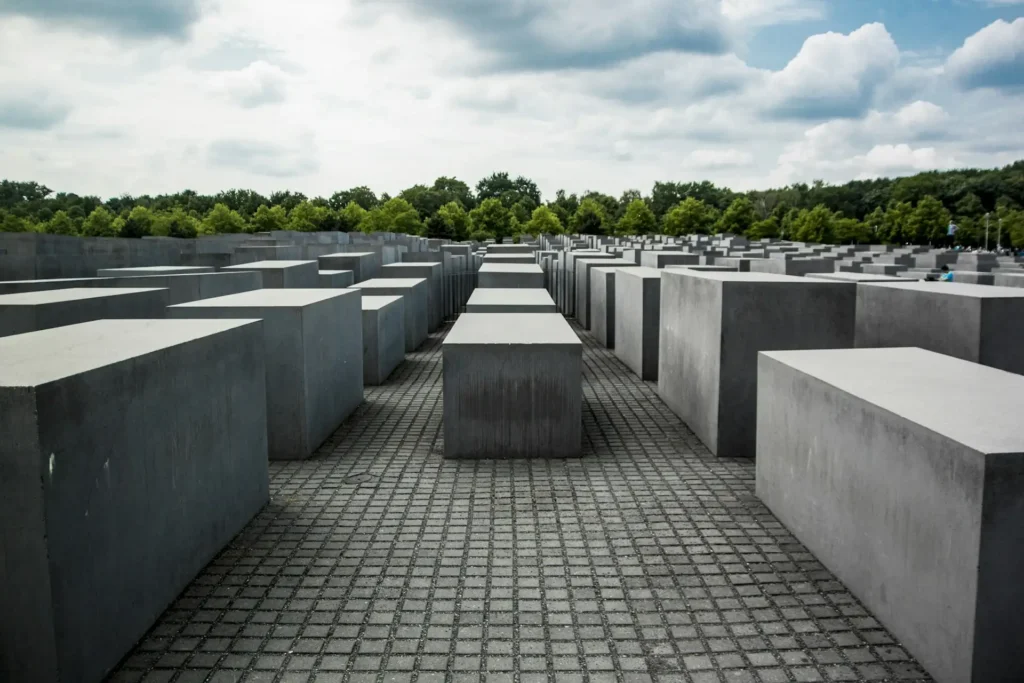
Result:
x=285 y=274
x=136 y=459
x=511 y=276
x=904 y=511
x=383 y=337
x=41 y=310
x=637 y=313
x=417 y=314
x=434 y=274
x=510 y=301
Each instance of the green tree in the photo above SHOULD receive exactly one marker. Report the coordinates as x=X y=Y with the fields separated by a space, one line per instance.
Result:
x=688 y=217
x=874 y=223
x=851 y=231
x=457 y=220
x=308 y=217
x=223 y=220
x=99 y=223
x=544 y=222
x=60 y=224
x=928 y=223
x=970 y=207
x=394 y=215
x=491 y=217
x=437 y=228
x=590 y=219
x=454 y=190
x=897 y=222
x=638 y=219
x=509 y=191
x=270 y=219
x=138 y=223
x=11 y=223
x=175 y=223
x=739 y=217
x=351 y=217
x=1013 y=228
x=816 y=225
x=362 y=195
x=769 y=227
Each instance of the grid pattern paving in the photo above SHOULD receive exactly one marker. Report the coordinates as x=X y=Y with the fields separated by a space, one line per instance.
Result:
x=647 y=560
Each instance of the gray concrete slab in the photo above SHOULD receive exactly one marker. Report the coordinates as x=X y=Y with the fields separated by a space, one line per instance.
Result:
x=499 y=249
x=512 y=387
x=660 y=259
x=416 y=292
x=284 y=274
x=979 y=323
x=314 y=348
x=510 y=301
x=712 y=327
x=153 y=270
x=365 y=265
x=19 y=286
x=602 y=303
x=912 y=499
x=185 y=287
x=383 y=337
x=41 y=310
x=1001 y=280
x=133 y=451
x=336 y=279
x=511 y=276
x=434 y=274
x=637 y=319
x=854 y=277
x=511 y=258
x=583 y=299
x=790 y=266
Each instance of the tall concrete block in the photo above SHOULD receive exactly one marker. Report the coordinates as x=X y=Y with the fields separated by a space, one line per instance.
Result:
x=284 y=274
x=365 y=265
x=132 y=452
x=512 y=276
x=902 y=470
x=637 y=319
x=979 y=323
x=314 y=348
x=583 y=268
x=433 y=273
x=510 y=301
x=336 y=279
x=712 y=327
x=42 y=310
x=602 y=303
x=512 y=387
x=383 y=337
x=417 y=313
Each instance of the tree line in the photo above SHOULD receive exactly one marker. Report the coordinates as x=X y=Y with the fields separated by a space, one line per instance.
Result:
x=915 y=209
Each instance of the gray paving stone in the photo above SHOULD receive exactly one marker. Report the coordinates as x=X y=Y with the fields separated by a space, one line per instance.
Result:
x=642 y=554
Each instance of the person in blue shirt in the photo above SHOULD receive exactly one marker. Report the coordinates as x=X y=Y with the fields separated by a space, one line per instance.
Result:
x=947 y=274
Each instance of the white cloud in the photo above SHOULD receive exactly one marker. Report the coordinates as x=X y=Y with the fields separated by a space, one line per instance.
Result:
x=257 y=84
x=889 y=159
x=991 y=58
x=717 y=158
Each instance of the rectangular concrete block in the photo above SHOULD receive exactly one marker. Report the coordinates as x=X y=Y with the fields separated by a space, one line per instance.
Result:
x=42 y=310
x=434 y=274
x=185 y=287
x=383 y=337
x=132 y=452
x=510 y=301
x=314 y=348
x=511 y=276
x=791 y=266
x=583 y=300
x=152 y=270
x=602 y=303
x=637 y=319
x=902 y=470
x=365 y=265
x=19 y=286
x=712 y=327
x=336 y=279
x=660 y=259
x=854 y=277
x=978 y=323
x=417 y=312
x=284 y=274
x=500 y=249
x=510 y=258
x=512 y=387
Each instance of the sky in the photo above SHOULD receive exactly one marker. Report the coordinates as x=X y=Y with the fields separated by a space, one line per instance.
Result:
x=109 y=97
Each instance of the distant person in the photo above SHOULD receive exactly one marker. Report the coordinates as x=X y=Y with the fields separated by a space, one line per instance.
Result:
x=947 y=274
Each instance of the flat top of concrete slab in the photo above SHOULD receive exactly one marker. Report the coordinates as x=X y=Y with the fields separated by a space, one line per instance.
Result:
x=512 y=328
x=854 y=277
x=510 y=268
x=614 y=267
x=412 y=264
x=706 y=269
x=642 y=272
x=334 y=272
x=954 y=289
x=510 y=297
x=390 y=283
x=269 y=265
x=374 y=303
x=157 y=270
x=970 y=403
x=498 y=258
x=742 y=277
x=52 y=296
x=269 y=298
x=606 y=262
x=351 y=253
x=39 y=357
x=59 y=279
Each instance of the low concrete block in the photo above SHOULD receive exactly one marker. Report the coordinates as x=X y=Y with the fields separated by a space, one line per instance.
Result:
x=902 y=470
x=511 y=301
x=182 y=288
x=854 y=277
x=499 y=249
x=365 y=265
x=660 y=259
x=153 y=270
x=417 y=312
x=637 y=316
x=284 y=274
x=738 y=263
x=20 y=286
x=383 y=337
x=1001 y=280
x=434 y=274
x=510 y=258
x=602 y=303
x=511 y=276
x=314 y=348
x=512 y=387
x=979 y=323
x=712 y=327
x=132 y=452
x=336 y=279
x=42 y=310
x=790 y=266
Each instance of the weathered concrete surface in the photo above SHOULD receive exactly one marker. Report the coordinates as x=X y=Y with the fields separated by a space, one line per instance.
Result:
x=660 y=259
x=416 y=292
x=42 y=310
x=912 y=499
x=284 y=274
x=511 y=276
x=434 y=274
x=583 y=267
x=365 y=265
x=602 y=303
x=637 y=316
x=1010 y=279
x=132 y=452
x=186 y=287
x=314 y=348
x=854 y=277
x=152 y=270
x=979 y=323
x=712 y=327
x=510 y=301
x=19 y=286
x=510 y=258
x=794 y=266
x=512 y=387
x=383 y=337
x=499 y=249
x=336 y=279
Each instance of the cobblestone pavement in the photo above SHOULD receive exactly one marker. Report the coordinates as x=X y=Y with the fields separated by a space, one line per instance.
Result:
x=646 y=560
